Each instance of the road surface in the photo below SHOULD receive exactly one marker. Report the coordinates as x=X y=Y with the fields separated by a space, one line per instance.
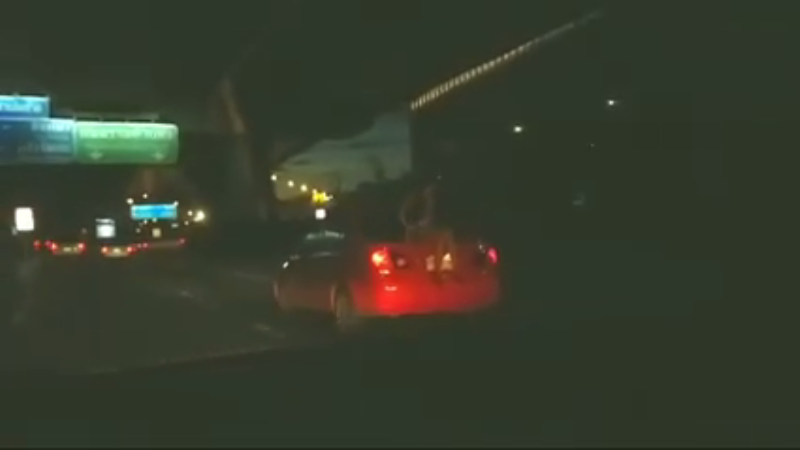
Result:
x=82 y=314
x=160 y=308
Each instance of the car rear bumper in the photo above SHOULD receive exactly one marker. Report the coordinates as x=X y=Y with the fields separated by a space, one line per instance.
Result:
x=116 y=255
x=65 y=253
x=449 y=298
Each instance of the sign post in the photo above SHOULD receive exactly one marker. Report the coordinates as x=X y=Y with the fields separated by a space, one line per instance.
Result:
x=24 y=107
x=126 y=143
x=37 y=141
x=24 y=224
x=165 y=211
x=105 y=228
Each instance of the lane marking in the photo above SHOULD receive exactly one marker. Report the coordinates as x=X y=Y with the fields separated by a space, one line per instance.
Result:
x=259 y=278
x=261 y=328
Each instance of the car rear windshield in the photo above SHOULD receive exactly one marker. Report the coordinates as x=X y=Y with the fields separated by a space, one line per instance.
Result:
x=374 y=221
x=383 y=229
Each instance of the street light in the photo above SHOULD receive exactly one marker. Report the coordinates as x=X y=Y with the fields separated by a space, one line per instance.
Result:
x=290 y=183
x=129 y=201
x=304 y=188
x=518 y=129
x=274 y=177
x=144 y=196
x=199 y=216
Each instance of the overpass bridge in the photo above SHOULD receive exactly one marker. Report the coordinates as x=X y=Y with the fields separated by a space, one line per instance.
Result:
x=233 y=155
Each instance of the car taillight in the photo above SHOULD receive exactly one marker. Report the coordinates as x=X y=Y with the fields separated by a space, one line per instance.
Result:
x=486 y=256
x=104 y=249
x=130 y=249
x=37 y=244
x=382 y=261
x=385 y=261
x=53 y=246
x=181 y=241
x=491 y=255
x=81 y=246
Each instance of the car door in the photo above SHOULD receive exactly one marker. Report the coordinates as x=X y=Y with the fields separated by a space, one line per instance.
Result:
x=323 y=265
x=293 y=276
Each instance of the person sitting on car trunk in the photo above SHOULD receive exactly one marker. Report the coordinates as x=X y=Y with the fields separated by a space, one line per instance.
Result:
x=424 y=215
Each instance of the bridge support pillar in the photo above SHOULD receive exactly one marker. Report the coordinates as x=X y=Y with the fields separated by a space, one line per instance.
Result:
x=245 y=201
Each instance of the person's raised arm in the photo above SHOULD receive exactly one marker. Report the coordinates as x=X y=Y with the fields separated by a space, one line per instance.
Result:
x=404 y=207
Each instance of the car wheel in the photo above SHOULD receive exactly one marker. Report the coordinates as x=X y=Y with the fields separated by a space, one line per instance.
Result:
x=345 y=314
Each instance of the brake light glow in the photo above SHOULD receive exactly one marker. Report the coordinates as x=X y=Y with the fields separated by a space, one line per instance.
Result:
x=53 y=246
x=81 y=246
x=382 y=261
x=37 y=244
x=130 y=249
x=104 y=249
x=491 y=253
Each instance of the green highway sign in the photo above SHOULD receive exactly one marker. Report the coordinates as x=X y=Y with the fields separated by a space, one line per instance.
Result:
x=126 y=143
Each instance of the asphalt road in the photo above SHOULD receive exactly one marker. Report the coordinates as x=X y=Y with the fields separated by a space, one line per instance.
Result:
x=83 y=314
x=164 y=307
x=618 y=346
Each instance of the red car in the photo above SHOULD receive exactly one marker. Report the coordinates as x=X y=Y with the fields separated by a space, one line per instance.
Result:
x=68 y=245
x=354 y=278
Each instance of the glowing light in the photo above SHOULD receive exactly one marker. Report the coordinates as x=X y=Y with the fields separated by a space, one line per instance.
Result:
x=320 y=197
x=23 y=219
x=487 y=67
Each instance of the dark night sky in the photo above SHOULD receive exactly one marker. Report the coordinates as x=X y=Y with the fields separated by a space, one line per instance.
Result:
x=347 y=51
x=354 y=57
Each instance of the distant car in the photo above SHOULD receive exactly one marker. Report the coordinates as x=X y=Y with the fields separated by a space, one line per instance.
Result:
x=355 y=278
x=118 y=249
x=62 y=245
x=170 y=243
